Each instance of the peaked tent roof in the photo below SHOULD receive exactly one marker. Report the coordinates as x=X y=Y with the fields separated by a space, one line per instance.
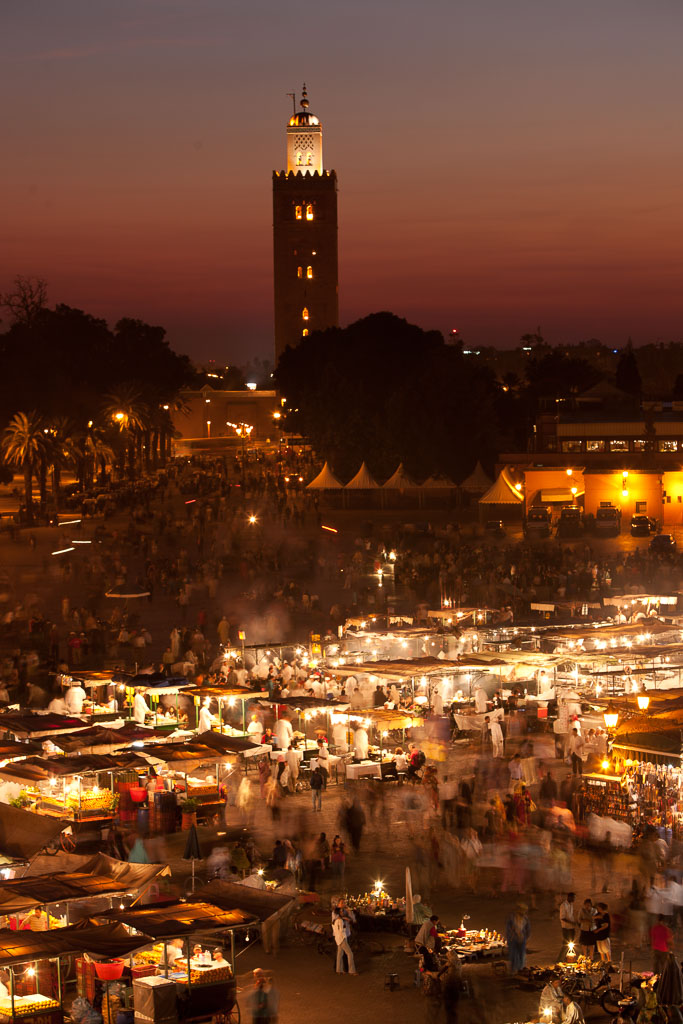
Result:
x=478 y=481
x=502 y=492
x=362 y=481
x=436 y=482
x=399 y=479
x=325 y=481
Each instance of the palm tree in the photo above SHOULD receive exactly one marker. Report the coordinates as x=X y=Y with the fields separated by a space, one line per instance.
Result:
x=23 y=443
x=62 y=449
x=127 y=412
x=100 y=453
x=161 y=427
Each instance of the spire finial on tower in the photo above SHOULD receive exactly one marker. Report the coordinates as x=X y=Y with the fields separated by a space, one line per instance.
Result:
x=304 y=98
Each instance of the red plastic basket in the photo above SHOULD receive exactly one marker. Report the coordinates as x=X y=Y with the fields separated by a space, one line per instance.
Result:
x=110 y=971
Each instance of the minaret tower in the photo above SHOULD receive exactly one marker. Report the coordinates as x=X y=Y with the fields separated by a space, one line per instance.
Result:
x=304 y=235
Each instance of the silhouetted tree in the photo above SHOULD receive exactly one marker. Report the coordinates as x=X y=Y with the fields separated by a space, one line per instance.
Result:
x=385 y=391
x=26 y=301
x=628 y=376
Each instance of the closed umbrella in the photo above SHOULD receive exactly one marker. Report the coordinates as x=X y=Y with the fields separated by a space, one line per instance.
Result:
x=409 y=897
x=192 y=851
x=670 y=984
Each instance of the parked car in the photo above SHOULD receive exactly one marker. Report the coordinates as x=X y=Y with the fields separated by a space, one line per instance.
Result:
x=663 y=544
x=642 y=525
x=608 y=520
x=538 y=522
x=571 y=521
x=495 y=528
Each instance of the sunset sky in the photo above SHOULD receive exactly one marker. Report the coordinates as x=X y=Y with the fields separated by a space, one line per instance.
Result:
x=502 y=164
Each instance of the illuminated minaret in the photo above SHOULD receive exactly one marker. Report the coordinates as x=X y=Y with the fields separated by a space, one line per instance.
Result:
x=304 y=235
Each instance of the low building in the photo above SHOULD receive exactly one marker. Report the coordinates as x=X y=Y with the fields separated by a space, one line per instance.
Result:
x=214 y=420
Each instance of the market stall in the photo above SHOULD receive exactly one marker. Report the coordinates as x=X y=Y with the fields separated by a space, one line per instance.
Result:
x=475 y=944
x=48 y=902
x=190 y=772
x=379 y=723
x=194 y=949
x=144 y=699
x=78 y=789
x=102 y=701
x=272 y=907
x=377 y=911
x=214 y=705
x=34 y=965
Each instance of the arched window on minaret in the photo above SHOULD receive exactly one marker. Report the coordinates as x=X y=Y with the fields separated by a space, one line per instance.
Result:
x=309 y=212
x=304 y=333
x=299 y=158
x=299 y=271
x=309 y=273
x=309 y=159
x=298 y=213
x=304 y=314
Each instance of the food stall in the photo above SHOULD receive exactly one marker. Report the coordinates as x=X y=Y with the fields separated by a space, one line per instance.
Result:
x=195 y=946
x=148 y=690
x=34 y=966
x=380 y=762
x=75 y=788
x=220 y=701
x=61 y=889
x=102 y=700
x=192 y=771
x=314 y=716
x=415 y=679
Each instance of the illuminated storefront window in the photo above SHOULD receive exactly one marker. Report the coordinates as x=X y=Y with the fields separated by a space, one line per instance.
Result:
x=618 y=446
x=668 y=446
x=595 y=446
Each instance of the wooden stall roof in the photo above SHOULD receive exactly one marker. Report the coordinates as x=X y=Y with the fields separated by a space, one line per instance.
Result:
x=398 y=668
x=23 y=834
x=107 y=941
x=29 y=724
x=186 y=753
x=653 y=626
x=386 y=719
x=224 y=692
x=175 y=919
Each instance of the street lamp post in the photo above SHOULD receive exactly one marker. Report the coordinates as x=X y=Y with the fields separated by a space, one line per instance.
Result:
x=611 y=718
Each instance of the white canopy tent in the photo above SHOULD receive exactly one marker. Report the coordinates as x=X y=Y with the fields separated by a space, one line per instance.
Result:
x=478 y=482
x=362 y=481
x=399 y=480
x=502 y=492
x=325 y=481
x=434 y=483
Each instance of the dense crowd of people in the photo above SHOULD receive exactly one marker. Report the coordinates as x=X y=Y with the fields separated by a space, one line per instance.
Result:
x=179 y=566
